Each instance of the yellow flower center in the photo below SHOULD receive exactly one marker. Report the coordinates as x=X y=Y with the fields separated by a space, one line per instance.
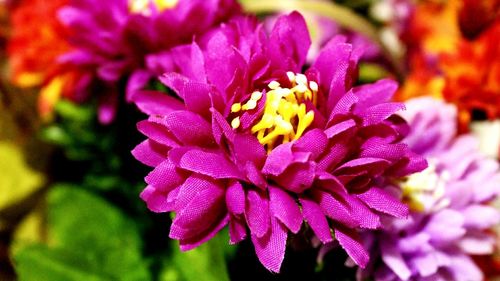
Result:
x=146 y=7
x=425 y=191
x=284 y=117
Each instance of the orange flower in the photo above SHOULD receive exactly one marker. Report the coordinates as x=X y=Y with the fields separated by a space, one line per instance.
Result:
x=64 y=83
x=37 y=40
x=476 y=15
x=446 y=65
x=433 y=30
x=472 y=75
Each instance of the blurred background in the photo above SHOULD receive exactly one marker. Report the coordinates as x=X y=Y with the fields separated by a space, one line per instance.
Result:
x=69 y=205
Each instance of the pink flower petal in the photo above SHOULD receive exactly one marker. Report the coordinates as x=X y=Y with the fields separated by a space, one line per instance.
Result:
x=235 y=198
x=270 y=248
x=314 y=216
x=351 y=242
x=257 y=213
x=284 y=207
x=210 y=164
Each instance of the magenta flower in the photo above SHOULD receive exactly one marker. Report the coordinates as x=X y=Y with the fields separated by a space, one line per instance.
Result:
x=131 y=39
x=450 y=218
x=255 y=144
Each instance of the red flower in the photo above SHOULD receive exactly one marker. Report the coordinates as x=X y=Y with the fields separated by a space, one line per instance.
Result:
x=37 y=40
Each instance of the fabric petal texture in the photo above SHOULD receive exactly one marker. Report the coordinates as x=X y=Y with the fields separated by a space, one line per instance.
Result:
x=272 y=150
x=448 y=221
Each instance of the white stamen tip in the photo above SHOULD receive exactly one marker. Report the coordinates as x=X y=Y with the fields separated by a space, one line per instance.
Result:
x=251 y=104
x=274 y=85
x=301 y=79
x=301 y=88
x=291 y=76
x=235 y=123
x=313 y=86
x=283 y=92
x=256 y=95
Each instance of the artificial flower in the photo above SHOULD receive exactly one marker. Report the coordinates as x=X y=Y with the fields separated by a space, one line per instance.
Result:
x=445 y=65
x=120 y=40
x=36 y=41
x=253 y=142
x=472 y=76
x=431 y=30
x=450 y=216
x=477 y=15
x=322 y=29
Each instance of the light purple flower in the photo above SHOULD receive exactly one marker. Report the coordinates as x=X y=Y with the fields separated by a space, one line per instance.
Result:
x=119 y=41
x=252 y=143
x=450 y=218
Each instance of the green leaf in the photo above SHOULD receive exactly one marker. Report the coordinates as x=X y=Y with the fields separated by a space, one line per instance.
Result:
x=371 y=72
x=206 y=262
x=76 y=112
x=89 y=239
x=38 y=262
x=31 y=229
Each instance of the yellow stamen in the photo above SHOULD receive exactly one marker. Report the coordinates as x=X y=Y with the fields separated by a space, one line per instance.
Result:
x=165 y=4
x=266 y=122
x=424 y=191
x=285 y=117
x=304 y=122
x=236 y=107
x=146 y=7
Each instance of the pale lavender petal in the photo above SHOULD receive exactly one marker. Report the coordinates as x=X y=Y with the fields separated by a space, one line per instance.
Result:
x=446 y=226
x=480 y=217
x=477 y=243
x=394 y=260
x=464 y=269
